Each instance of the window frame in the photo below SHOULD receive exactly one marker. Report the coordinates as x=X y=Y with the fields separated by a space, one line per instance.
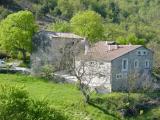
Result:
x=118 y=76
x=148 y=64
x=144 y=52
x=126 y=69
x=139 y=52
x=136 y=67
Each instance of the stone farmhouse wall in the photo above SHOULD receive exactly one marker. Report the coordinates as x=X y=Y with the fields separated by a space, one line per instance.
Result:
x=56 y=52
x=120 y=78
x=51 y=51
x=97 y=74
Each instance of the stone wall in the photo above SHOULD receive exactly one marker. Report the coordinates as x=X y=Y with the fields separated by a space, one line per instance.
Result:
x=51 y=51
x=139 y=74
x=97 y=74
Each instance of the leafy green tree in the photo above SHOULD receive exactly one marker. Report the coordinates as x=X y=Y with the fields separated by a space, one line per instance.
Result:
x=16 y=104
x=60 y=26
x=66 y=9
x=88 y=24
x=17 y=31
x=130 y=39
x=114 y=12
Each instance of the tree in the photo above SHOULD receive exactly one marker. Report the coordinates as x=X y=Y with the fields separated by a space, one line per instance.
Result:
x=60 y=26
x=81 y=64
x=130 y=39
x=88 y=24
x=155 y=46
x=16 y=104
x=114 y=12
x=16 y=32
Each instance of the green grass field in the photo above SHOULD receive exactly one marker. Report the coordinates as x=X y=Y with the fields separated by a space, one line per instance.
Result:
x=68 y=98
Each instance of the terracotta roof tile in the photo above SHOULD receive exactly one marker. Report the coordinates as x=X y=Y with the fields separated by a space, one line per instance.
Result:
x=103 y=51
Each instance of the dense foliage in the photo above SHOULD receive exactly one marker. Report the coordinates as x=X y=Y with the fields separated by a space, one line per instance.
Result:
x=17 y=31
x=69 y=100
x=121 y=17
x=15 y=104
x=88 y=24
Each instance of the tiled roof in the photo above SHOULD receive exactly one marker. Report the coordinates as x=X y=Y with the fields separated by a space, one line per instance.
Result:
x=103 y=51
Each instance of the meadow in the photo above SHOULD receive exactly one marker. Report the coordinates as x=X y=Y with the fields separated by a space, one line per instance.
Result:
x=68 y=99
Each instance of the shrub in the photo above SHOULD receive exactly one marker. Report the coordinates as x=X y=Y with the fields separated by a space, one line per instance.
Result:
x=117 y=103
x=47 y=72
x=15 y=104
x=40 y=110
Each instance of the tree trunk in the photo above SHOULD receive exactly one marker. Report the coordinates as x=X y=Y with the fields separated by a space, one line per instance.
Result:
x=24 y=56
x=86 y=96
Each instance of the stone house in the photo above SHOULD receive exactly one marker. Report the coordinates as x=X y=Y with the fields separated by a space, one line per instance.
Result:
x=50 y=48
x=115 y=65
x=109 y=66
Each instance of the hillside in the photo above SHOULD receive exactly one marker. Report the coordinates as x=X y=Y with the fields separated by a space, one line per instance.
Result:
x=68 y=98
x=121 y=18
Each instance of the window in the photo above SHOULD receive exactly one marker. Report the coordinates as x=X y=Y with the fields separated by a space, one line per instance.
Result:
x=147 y=64
x=141 y=52
x=144 y=52
x=136 y=64
x=138 y=52
x=118 y=76
x=92 y=63
x=124 y=64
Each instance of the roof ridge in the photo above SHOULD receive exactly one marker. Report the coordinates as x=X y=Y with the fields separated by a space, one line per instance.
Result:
x=110 y=53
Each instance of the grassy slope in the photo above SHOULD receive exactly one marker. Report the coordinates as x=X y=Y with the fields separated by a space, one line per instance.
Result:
x=61 y=96
x=67 y=98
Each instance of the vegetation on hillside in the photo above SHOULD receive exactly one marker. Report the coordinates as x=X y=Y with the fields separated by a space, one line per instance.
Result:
x=121 y=17
x=66 y=101
x=123 y=20
x=84 y=24
x=17 y=31
x=15 y=104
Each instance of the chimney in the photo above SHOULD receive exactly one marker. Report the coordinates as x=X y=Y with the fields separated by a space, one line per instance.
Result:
x=130 y=44
x=109 y=47
x=86 y=47
x=115 y=47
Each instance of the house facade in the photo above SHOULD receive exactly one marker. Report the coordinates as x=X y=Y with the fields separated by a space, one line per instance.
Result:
x=107 y=67
x=119 y=65
x=135 y=65
x=51 y=49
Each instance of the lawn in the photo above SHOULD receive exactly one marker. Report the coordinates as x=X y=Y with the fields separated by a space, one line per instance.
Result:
x=68 y=98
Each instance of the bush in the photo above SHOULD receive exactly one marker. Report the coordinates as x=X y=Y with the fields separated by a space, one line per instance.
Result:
x=47 y=72
x=117 y=103
x=130 y=39
x=15 y=104
x=40 y=110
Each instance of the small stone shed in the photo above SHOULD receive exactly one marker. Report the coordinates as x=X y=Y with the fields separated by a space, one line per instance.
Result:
x=51 y=48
